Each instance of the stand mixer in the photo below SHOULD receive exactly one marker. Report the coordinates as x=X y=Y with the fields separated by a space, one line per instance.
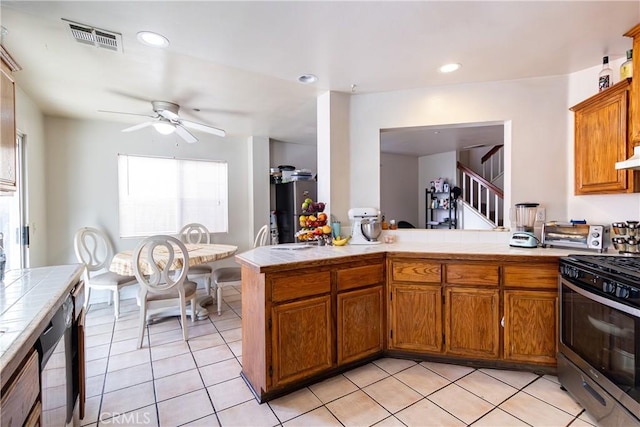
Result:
x=366 y=227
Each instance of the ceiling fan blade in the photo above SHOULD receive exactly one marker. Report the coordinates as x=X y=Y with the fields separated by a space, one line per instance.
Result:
x=203 y=128
x=185 y=134
x=139 y=126
x=169 y=115
x=130 y=114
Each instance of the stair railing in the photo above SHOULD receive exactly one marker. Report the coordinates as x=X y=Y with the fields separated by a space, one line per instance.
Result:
x=482 y=195
x=493 y=163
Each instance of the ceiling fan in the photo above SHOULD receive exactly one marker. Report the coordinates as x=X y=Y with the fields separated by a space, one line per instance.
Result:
x=167 y=121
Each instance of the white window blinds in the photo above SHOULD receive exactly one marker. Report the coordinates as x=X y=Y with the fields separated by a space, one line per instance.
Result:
x=160 y=195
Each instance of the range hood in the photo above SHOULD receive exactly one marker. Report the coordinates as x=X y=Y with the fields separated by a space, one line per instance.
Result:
x=632 y=162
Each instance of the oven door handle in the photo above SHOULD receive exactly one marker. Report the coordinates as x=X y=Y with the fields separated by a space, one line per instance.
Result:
x=602 y=300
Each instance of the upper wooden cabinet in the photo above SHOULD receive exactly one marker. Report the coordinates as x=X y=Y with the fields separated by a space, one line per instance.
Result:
x=634 y=104
x=7 y=122
x=602 y=139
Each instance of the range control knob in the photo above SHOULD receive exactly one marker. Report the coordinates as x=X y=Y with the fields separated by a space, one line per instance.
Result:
x=622 y=291
x=608 y=287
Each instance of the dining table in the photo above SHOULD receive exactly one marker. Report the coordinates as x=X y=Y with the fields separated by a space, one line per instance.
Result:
x=199 y=253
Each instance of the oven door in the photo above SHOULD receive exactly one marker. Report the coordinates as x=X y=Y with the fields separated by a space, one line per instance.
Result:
x=602 y=338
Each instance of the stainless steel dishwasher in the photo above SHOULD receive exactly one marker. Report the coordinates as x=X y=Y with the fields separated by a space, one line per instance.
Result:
x=55 y=348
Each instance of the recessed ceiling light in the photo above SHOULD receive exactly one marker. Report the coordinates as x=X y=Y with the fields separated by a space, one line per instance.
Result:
x=448 y=68
x=307 y=78
x=152 y=39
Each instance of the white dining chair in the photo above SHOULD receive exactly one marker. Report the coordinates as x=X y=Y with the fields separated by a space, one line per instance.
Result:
x=194 y=233
x=225 y=275
x=93 y=249
x=161 y=285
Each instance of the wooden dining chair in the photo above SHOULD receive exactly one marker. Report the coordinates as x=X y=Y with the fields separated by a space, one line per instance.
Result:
x=93 y=249
x=225 y=275
x=162 y=285
x=194 y=233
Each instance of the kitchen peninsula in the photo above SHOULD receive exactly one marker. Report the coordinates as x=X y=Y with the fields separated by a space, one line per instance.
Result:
x=29 y=300
x=309 y=313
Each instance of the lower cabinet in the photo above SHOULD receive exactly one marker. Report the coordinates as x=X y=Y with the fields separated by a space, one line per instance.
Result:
x=415 y=317
x=305 y=322
x=302 y=339
x=19 y=404
x=530 y=333
x=360 y=324
x=472 y=322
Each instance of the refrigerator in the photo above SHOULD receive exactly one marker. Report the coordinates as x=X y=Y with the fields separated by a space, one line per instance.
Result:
x=289 y=198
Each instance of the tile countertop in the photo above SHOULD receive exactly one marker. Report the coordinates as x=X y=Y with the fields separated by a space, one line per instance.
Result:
x=28 y=299
x=414 y=241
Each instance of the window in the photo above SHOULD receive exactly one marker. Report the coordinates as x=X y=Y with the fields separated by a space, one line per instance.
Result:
x=160 y=195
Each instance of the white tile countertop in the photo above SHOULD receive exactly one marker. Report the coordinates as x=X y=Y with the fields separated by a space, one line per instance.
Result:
x=461 y=242
x=28 y=299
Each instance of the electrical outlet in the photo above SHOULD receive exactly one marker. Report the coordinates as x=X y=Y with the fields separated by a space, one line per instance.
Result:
x=541 y=215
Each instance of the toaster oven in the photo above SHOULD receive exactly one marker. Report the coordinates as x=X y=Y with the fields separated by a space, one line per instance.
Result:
x=575 y=236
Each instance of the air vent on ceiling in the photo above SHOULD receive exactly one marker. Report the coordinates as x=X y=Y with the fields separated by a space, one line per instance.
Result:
x=95 y=37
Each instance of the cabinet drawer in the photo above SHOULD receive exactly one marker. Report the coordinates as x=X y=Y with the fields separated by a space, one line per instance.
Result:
x=300 y=285
x=531 y=276
x=416 y=271
x=355 y=277
x=19 y=396
x=472 y=274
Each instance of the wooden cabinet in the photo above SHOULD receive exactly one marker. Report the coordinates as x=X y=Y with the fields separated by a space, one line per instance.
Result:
x=7 y=122
x=360 y=312
x=602 y=139
x=415 y=317
x=634 y=104
x=472 y=322
x=415 y=305
x=19 y=400
x=499 y=311
x=530 y=313
x=308 y=321
x=302 y=339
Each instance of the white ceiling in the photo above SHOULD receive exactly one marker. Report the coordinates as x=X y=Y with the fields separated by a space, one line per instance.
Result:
x=238 y=62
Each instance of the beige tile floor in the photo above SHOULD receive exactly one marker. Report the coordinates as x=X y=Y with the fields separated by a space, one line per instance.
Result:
x=170 y=382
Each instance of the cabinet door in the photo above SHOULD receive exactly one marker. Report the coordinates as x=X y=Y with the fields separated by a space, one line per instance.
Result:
x=7 y=131
x=415 y=318
x=472 y=322
x=634 y=106
x=302 y=339
x=530 y=331
x=601 y=141
x=360 y=326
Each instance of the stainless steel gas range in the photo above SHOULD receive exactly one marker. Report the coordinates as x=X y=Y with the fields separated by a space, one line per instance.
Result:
x=599 y=360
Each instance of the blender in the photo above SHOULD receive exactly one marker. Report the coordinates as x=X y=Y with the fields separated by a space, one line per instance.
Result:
x=524 y=236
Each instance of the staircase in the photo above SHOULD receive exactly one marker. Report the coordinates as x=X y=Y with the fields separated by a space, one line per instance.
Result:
x=480 y=194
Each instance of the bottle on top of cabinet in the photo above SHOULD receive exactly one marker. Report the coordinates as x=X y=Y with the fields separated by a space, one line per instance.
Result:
x=626 y=69
x=605 y=78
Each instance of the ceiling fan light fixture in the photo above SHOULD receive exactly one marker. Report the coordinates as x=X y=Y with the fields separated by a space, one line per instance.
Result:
x=449 y=68
x=164 y=128
x=308 y=79
x=152 y=39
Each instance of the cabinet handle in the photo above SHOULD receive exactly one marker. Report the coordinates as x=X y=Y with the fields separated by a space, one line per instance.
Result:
x=502 y=322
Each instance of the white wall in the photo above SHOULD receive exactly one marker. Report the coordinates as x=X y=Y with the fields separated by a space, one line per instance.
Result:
x=82 y=181
x=30 y=122
x=535 y=116
x=299 y=155
x=399 y=189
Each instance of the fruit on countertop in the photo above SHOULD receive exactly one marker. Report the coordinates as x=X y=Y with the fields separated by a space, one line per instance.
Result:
x=341 y=241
